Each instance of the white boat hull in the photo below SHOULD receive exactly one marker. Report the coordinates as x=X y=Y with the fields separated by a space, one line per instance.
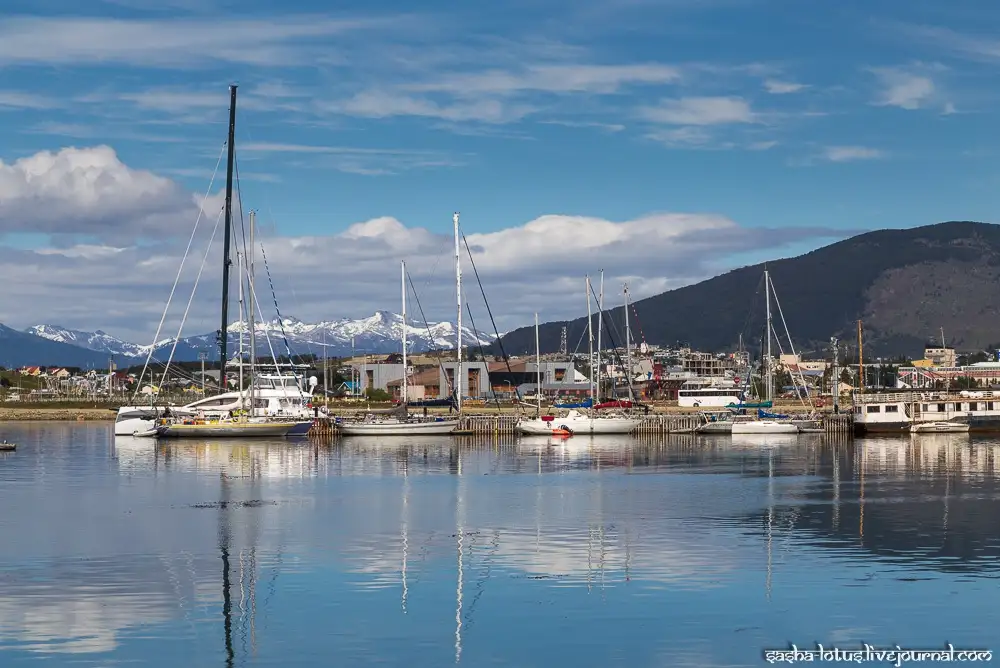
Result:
x=132 y=425
x=578 y=423
x=398 y=428
x=939 y=428
x=764 y=427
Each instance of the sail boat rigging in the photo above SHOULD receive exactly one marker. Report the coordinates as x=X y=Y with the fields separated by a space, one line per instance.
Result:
x=208 y=417
x=576 y=421
x=400 y=423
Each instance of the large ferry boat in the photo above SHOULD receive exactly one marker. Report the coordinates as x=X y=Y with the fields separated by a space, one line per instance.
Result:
x=896 y=412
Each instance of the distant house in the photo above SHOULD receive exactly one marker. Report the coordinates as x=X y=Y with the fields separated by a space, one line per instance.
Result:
x=424 y=385
x=30 y=371
x=58 y=373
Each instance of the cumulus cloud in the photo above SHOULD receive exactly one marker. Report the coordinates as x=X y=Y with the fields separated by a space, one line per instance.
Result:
x=87 y=191
x=122 y=286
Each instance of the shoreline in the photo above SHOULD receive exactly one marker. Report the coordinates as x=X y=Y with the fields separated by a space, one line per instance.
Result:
x=32 y=414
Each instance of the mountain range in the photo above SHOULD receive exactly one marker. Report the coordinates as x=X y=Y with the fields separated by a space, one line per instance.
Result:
x=53 y=345
x=905 y=285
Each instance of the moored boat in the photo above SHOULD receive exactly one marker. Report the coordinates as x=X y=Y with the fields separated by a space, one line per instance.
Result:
x=764 y=427
x=939 y=427
x=578 y=423
x=895 y=412
x=223 y=428
x=398 y=427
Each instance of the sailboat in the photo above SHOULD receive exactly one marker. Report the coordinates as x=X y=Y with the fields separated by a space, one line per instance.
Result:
x=396 y=421
x=577 y=421
x=767 y=423
x=245 y=424
x=278 y=398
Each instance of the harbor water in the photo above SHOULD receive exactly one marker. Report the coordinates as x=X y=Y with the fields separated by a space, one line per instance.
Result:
x=612 y=551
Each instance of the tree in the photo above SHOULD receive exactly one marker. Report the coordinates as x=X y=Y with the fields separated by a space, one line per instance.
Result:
x=965 y=383
x=377 y=394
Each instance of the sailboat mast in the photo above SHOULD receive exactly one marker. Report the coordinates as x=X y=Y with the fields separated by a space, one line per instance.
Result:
x=538 y=368
x=252 y=312
x=226 y=262
x=590 y=343
x=628 y=349
x=403 y=283
x=769 y=383
x=600 y=326
x=458 y=335
x=239 y=263
x=861 y=366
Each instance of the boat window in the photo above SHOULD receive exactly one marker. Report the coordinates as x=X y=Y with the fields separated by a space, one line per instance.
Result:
x=874 y=409
x=951 y=407
x=923 y=407
x=892 y=409
x=973 y=405
x=989 y=405
x=941 y=408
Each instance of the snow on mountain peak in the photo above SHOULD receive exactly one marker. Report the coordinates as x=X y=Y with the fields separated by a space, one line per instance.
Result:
x=379 y=333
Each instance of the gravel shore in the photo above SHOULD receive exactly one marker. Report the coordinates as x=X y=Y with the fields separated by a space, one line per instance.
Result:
x=74 y=414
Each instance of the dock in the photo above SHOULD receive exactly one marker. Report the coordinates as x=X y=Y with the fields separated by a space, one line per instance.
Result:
x=502 y=424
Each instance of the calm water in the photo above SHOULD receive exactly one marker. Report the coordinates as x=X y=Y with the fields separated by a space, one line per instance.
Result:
x=611 y=552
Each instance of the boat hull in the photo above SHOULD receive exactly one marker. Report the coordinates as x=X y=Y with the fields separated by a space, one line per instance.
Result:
x=439 y=427
x=765 y=427
x=300 y=429
x=939 y=428
x=578 y=426
x=224 y=430
x=720 y=427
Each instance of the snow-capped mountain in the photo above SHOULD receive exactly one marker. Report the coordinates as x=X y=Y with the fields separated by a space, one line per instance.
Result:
x=98 y=341
x=379 y=333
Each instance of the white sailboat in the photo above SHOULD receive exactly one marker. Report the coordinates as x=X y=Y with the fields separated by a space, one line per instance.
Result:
x=576 y=421
x=395 y=421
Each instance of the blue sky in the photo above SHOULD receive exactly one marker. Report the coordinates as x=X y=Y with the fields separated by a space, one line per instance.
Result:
x=791 y=125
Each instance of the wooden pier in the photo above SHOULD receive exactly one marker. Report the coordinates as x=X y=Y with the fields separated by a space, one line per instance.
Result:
x=502 y=425
x=488 y=425
x=669 y=424
x=839 y=423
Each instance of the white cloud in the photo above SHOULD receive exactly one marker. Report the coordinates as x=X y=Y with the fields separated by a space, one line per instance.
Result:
x=87 y=191
x=553 y=78
x=851 y=153
x=275 y=40
x=387 y=103
x=903 y=88
x=776 y=87
x=610 y=127
x=364 y=161
x=12 y=99
x=700 y=111
x=121 y=287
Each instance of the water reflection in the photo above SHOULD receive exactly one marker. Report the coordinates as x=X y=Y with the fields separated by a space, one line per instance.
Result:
x=430 y=551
